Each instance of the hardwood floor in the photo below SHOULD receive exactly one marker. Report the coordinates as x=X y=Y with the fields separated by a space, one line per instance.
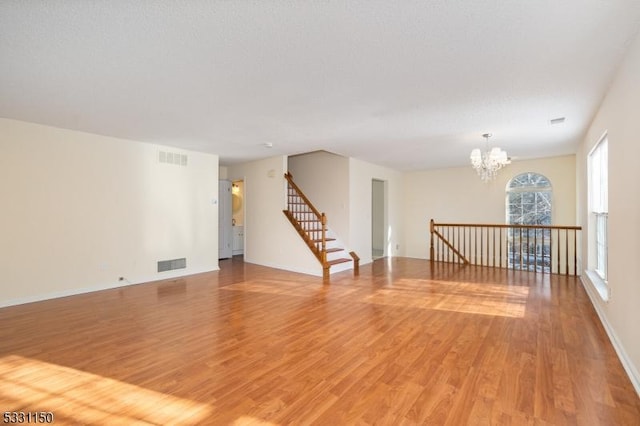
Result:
x=400 y=344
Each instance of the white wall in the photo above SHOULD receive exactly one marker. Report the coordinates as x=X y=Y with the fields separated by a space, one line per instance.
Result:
x=81 y=210
x=361 y=175
x=324 y=179
x=270 y=239
x=619 y=116
x=457 y=195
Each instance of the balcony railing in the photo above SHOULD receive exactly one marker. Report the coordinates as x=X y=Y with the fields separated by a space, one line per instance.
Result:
x=538 y=248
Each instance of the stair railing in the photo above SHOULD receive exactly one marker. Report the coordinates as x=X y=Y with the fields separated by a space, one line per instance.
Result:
x=538 y=248
x=311 y=225
x=305 y=217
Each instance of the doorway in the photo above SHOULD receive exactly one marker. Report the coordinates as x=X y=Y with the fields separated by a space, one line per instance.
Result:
x=237 y=203
x=225 y=233
x=378 y=218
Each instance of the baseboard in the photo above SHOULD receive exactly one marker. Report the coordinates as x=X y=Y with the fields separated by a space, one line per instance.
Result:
x=627 y=364
x=315 y=273
x=101 y=287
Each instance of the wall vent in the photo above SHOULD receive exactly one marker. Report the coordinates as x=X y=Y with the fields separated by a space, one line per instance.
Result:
x=170 y=265
x=168 y=157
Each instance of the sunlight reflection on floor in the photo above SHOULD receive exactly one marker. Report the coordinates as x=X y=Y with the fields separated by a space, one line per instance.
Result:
x=79 y=397
x=464 y=297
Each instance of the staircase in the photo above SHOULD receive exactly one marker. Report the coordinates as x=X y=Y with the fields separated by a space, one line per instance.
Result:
x=312 y=227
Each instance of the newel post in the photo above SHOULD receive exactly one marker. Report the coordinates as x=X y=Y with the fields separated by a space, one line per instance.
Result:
x=326 y=274
x=356 y=263
x=323 y=220
x=431 y=250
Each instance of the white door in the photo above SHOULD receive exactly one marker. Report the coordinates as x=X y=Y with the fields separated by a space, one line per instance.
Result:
x=225 y=228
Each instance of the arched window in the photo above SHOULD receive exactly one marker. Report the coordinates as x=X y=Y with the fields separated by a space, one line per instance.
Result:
x=529 y=203
x=529 y=200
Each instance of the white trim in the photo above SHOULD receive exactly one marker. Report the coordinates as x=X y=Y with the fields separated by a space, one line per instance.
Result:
x=598 y=284
x=315 y=272
x=108 y=286
x=627 y=364
x=604 y=136
x=368 y=260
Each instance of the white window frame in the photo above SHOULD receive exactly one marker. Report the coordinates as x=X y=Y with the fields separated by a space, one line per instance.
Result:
x=598 y=190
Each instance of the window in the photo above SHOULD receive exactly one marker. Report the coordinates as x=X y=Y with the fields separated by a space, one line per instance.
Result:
x=599 y=206
x=528 y=202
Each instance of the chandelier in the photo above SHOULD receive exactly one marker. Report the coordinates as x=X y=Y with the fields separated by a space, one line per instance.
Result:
x=488 y=163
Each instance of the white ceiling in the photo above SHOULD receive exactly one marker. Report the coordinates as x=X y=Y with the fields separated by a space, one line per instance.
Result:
x=407 y=84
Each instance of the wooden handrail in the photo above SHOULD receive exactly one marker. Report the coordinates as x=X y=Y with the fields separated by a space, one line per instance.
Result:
x=289 y=178
x=544 y=248
x=310 y=236
x=500 y=225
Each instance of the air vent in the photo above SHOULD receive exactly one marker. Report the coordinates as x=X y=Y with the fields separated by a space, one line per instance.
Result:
x=170 y=265
x=558 y=120
x=168 y=157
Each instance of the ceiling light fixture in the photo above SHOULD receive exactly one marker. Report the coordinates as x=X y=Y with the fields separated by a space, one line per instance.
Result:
x=488 y=163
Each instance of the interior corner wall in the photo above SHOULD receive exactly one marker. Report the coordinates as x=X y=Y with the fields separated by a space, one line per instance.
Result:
x=457 y=195
x=270 y=239
x=223 y=172
x=618 y=116
x=81 y=210
x=361 y=176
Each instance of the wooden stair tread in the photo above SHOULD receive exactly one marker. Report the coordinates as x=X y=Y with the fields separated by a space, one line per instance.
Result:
x=337 y=261
x=335 y=249
x=326 y=239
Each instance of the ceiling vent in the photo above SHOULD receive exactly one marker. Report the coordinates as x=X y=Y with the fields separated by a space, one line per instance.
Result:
x=558 y=120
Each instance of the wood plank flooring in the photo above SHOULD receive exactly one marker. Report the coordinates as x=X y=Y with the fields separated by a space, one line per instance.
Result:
x=400 y=344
